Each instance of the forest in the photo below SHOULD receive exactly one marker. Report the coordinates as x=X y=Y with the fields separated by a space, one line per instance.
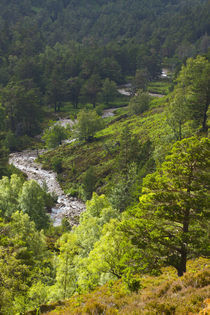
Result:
x=104 y=156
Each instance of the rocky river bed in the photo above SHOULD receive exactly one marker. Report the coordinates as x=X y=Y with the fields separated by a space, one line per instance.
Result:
x=66 y=206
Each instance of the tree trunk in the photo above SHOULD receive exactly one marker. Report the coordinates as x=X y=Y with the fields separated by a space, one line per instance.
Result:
x=183 y=262
x=183 y=259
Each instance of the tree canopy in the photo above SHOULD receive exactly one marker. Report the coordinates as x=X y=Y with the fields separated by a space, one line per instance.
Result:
x=173 y=207
x=88 y=123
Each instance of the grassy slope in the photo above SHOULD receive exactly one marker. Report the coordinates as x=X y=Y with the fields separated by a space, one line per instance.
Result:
x=102 y=152
x=164 y=294
x=160 y=87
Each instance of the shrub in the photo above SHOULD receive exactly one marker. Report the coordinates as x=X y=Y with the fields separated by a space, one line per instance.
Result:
x=89 y=182
x=54 y=136
x=12 y=142
x=139 y=103
x=99 y=110
x=88 y=124
x=57 y=164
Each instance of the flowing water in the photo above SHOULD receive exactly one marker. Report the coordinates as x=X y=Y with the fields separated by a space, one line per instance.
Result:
x=65 y=206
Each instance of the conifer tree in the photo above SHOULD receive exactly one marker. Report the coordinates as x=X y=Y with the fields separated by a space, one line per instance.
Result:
x=173 y=214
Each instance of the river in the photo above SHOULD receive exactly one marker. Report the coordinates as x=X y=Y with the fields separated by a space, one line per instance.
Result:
x=66 y=206
x=126 y=90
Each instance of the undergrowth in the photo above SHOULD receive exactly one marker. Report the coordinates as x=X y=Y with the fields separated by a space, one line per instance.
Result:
x=102 y=153
x=163 y=294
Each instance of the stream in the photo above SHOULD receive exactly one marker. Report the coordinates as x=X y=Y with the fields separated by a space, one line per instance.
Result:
x=125 y=90
x=66 y=206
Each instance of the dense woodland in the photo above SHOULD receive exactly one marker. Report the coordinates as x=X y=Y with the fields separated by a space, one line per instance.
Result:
x=143 y=173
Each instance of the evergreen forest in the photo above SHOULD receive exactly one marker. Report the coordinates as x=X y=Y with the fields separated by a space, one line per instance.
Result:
x=104 y=157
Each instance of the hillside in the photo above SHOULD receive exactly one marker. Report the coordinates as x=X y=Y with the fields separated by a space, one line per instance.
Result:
x=60 y=53
x=166 y=25
x=164 y=294
x=104 y=156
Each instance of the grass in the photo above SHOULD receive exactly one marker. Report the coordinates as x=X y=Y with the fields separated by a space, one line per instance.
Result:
x=163 y=294
x=158 y=102
x=159 y=87
x=102 y=153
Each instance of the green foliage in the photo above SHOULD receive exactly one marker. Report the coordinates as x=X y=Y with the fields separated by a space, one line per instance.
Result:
x=160 y=87
x=91 y=89
x=57 y=164
x=132 y=162
x=109 y=91
x=28 y=197
x=42 y=65
x=88 y=124
x=129 y=149
x=55 y=90
x=173 y=208
x=2 y=118
x=32 y=201
x=74 y=85
x=114 y=298
x=37 y=295
x=3 y=159
x=27 y=267
x=110 y=155
x=194 y=80
x=65 y=272
x=112 y=257
x=54 y=135
x=9 y=192
x=89 y=183
x=99 y=109
x=76 y=246
x=11 y=141
x=140 y=80
x=99 y=211
x=178 y=112
x=121 y=193
x=22 y=106
x=133 y=283
x=139 y=103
